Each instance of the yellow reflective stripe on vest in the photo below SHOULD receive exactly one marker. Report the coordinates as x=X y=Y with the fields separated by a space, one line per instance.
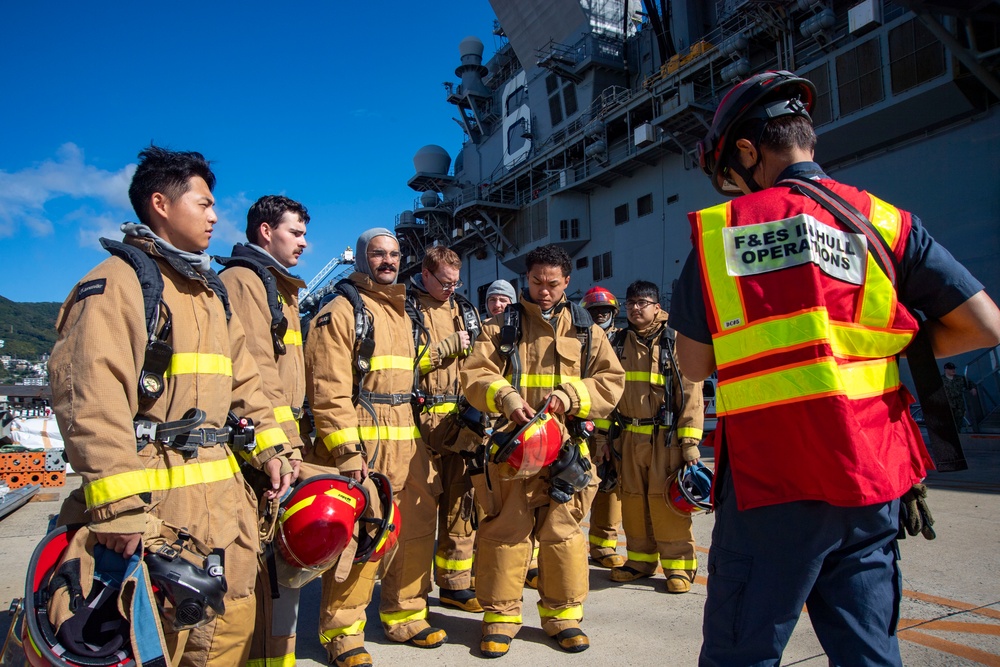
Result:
x=599 y=541
x=442 y=409
x=641 y=557
x=777 y=334
x=492 y=617
x=641 y=430
x=491 y=395
x=115 y=487
x=292 y=338
x=279 y=661
x=389 y=432
x=689 y=432
x=724 y=292
x=453 y=565
x=574 y=613
x=283 y=413
x=582 y=395
x=405 y=616
x=679 y=564
x=386 y=362
x=343 y=436
x=269 y=438
x=813 y=379
x=328 y=636
x=646 y=378
x=196 y=363
x=878 y=302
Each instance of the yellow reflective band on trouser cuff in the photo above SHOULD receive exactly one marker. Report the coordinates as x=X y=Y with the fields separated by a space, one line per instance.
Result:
x=283 y=413
x=196 y=363
x=491 y=395
x=442 y=409
x=327 y=636
x=491 y=617
x=292 y=338
x=641 y=430
x=115 y=487
x=815 y=379
x=811 y=326
x=453 y=565
x=405 y=616
x=574 y=613
x=582 y=395
x=679 y=564
x=602 y=542
x=645 y=378
x=343 y=436
x=271 y=437
x=689 y=432
x=641 y=557
x=280 y=661
x=391 y=362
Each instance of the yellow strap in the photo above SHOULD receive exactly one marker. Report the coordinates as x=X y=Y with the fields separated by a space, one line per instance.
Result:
x=271 y=437
x=327 y=636
x=196 y=363
x=598 y=541
x=283 y=413
x=814 y=379
x=391 y=362
x=679 y=564
x=646 y=378
x=574 y=613
x=405 y=616
x=341 y=437
x=292 y=338
x=641 y=557
x=492 y=617
x=582 y=394
x=115 y=487
x=491 y=394
x=689 y=432
x=453 y=565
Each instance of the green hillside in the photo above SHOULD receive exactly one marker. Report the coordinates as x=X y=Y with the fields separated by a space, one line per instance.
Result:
x=27 y=329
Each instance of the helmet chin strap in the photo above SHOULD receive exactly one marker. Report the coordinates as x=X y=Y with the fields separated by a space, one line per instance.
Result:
x=747 y=174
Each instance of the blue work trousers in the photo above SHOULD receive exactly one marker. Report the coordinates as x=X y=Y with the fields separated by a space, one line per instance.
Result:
x=765 y=563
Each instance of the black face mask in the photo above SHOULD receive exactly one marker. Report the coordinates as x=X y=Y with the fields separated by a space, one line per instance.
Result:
x=187 y=594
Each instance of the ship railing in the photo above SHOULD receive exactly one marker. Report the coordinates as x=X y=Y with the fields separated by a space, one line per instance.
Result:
x=984 y=373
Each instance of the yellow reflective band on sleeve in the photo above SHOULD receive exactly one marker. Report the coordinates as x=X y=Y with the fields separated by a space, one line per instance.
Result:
x=641 y=557
x=453 y=565
x=115 y=487
x=645 y=378
x=641 y=430
x=689 y=432
x=582 y=394
x=810 y=326
x=442 y=409
x=391 y=362
x=341 y=437
x=679 y=564
x=283 y=413
x=405 y=616
x=389 y=432
x=724 y=292
x=491 y=395
x=425 y=361
x=491 y=617
x=813 y=379
x=574 y=613
x=279 y=661
x=598 y=541
x=292 y=338
x=546 y=380
x=196 y=363
x=328 y=636
x=602 y=424
x=271 y=437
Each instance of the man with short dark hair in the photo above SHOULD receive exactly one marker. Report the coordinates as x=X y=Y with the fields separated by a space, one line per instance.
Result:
x=152 y=471
x=800 y=293
x=265 y=296
x=558 y=354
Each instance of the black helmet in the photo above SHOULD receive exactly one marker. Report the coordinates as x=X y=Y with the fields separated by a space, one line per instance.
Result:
x=764 y=96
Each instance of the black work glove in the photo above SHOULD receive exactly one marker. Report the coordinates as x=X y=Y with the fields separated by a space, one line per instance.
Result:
x=914 y=515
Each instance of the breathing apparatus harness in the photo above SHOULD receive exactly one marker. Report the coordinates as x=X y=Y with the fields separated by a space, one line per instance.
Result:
x=248 y=258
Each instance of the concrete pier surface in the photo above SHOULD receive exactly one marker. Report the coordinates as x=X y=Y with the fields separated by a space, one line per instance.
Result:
x=950 y=613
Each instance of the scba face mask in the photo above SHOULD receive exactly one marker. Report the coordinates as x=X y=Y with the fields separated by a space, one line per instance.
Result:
x=187 y=595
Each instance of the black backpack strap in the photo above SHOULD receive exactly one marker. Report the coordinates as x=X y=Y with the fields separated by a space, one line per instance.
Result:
x=584 y=326
x=279 y=323
x=470 y=316
x=364 y=332
x=215 y=283
x=617 y=340
x=510 y=336
x=149 y=275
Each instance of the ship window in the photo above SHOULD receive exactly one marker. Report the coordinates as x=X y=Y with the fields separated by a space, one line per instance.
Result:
x=516 y=99
x=644 y=205
x=574 y=228
x=822 y=111
x=582 y=262
x=672 y=199
x=562 y=98
x=555 y=109
x=621 y=214
x=859 y=75
x=551 y=84
x=915 y=56
x=569 y=98
x=602 y=266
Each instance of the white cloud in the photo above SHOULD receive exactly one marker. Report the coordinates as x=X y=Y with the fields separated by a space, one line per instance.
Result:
x=25 y=194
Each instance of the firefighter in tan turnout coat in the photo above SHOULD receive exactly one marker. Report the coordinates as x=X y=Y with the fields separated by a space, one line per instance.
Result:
x=556 y=340
x=107 y=391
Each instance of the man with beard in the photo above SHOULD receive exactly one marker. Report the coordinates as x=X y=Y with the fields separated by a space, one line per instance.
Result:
x=364 y=421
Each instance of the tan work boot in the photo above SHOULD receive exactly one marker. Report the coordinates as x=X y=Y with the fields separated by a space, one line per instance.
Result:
x=572 y=640
x=678 y=583
x=464 y=599
x=429 y=638
x=609 y=561
x=531 y=578
x=355 y=657
x=625 y=574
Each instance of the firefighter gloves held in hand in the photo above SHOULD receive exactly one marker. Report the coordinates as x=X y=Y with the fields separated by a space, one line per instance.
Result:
x=914 y=514
x=451 y=346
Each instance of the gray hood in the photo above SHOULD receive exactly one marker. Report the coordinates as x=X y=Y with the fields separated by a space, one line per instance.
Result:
x=361 y=258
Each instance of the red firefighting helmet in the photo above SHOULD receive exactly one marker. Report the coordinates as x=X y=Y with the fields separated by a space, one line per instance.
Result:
x=523 y=451
x=99 y=636
x=763 y=96
x=689 y=490
x=598 y=297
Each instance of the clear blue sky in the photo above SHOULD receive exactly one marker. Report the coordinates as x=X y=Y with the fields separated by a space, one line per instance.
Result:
x=325 y=102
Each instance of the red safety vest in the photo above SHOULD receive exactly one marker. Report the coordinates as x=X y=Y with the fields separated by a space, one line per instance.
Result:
x=806 y=329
